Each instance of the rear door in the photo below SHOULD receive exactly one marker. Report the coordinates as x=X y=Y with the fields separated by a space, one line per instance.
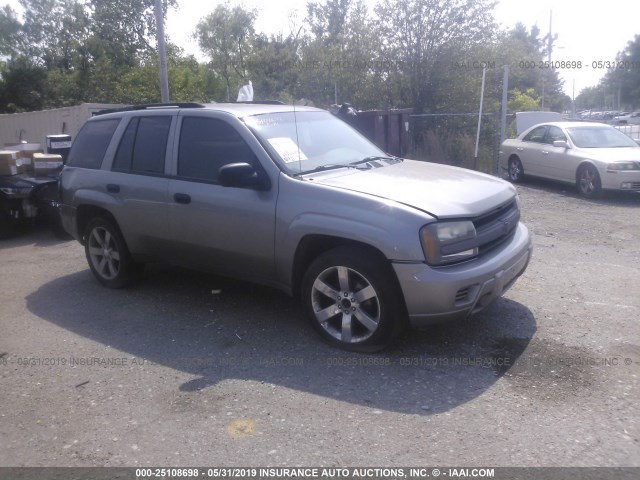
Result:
x=225 y=229
x=138 y=181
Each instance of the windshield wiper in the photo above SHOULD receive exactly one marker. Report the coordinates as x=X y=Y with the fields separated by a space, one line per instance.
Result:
x=376 y=157
x=331 y=166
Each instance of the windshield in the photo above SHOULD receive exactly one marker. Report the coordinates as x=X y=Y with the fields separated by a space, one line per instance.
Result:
x=319 y=140
x=599 y=137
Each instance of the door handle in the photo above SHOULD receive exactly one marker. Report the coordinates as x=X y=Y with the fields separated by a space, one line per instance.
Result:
x=113 y=188
x=182 y=198
x=520 y=149
x=544 y=152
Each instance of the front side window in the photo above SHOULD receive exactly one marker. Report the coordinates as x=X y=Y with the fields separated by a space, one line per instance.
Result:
x=554 y=134
x=91 y=143
x=536 y=135
x=143 y=145
x=206 y=145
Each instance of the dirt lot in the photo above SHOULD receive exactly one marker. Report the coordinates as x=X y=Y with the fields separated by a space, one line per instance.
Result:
x=169 y=373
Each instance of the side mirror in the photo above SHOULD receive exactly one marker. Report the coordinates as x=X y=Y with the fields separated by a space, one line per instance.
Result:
x=242 y=175
x=561 y=144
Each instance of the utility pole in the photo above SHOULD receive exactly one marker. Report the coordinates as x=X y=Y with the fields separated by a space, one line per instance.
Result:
x=162 y=52
x=549 y=47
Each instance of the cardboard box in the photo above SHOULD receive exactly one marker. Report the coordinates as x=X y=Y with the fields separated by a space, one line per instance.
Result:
x=8 y=160
x=24 y=164
x=44 y=163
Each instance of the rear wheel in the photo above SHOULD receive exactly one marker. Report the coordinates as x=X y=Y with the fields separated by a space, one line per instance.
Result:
x=516 y=171
x=352 y=300
x=588 y=181
x=107 y=254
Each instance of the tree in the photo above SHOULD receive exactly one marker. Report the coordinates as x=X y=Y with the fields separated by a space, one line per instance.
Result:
x=226 y=36
x=623 y=81
x=421 y=35
x=10 y=28
x=22 y=86
x=523 y=101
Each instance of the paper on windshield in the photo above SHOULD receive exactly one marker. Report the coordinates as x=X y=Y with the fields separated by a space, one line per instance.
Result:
x=287 y=149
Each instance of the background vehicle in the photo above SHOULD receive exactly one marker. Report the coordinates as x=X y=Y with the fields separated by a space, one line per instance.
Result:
x=630 y=119
x=25 y=198
x=294 y=198
x=593 y=156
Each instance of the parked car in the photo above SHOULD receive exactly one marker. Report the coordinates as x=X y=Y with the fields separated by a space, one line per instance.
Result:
x=293 y=198
x=593 y=156
x=629 y=119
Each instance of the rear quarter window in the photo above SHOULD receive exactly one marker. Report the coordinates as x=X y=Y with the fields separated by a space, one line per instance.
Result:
x=91 y=143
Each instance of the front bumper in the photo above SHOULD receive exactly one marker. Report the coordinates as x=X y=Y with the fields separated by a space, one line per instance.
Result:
x=433 y=295
x=623 y=180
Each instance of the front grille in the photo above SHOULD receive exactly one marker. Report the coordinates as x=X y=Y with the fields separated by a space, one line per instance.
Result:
x=497 y=226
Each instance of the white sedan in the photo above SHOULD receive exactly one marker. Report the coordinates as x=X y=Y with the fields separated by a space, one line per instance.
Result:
x=593 y=156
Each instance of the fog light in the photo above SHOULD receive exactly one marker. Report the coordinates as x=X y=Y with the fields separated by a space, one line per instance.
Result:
x=626 y=186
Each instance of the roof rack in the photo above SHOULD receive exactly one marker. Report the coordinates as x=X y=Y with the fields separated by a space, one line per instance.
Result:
x=261 y=102
x=150 y=106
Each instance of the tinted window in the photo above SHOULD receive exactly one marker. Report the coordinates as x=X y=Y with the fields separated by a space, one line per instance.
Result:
x=124 y=155
x=91 y=143
x=206 y=144
x=143 y=145
x=535 y=135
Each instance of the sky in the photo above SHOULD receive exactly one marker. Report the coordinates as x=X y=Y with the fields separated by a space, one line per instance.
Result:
x=588 y=31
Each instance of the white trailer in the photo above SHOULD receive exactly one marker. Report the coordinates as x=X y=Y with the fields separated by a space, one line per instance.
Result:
x=33 y=127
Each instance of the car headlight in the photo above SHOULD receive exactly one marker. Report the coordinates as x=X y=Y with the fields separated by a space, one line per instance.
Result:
x=621 y=166
x=9 y=191
x=448 y=242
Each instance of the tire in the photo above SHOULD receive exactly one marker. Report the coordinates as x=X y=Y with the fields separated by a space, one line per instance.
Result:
x=516 y=172
x=352 y=299
x=108 y=255
x=588 y=181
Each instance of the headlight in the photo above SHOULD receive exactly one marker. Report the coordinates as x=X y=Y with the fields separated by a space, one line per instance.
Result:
x=9 y=191
x=620 y=166
x=448 y=242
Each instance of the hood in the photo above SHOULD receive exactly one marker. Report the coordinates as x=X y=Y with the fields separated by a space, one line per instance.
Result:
x=610 y=154
x=439 y=190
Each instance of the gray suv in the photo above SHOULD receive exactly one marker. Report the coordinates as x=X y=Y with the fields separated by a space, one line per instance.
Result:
x=294 y=198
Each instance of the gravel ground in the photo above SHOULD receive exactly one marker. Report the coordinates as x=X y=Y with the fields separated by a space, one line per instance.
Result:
x=173 y=372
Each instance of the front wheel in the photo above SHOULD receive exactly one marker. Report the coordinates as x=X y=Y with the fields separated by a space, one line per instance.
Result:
x=352 y=299
x=107 y=254
x=588 y=181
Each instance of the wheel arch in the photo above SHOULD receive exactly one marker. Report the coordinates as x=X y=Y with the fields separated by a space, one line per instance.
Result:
x=312 y=246
x=585 y=163
x=85 y=213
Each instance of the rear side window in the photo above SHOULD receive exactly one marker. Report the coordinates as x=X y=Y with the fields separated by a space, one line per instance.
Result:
x=91 y=143
x=143 y=145
x=206 y=144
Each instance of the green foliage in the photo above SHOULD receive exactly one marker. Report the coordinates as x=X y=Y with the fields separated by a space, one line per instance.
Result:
x=23 y=86
x=226 y=36
x=523 y=101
